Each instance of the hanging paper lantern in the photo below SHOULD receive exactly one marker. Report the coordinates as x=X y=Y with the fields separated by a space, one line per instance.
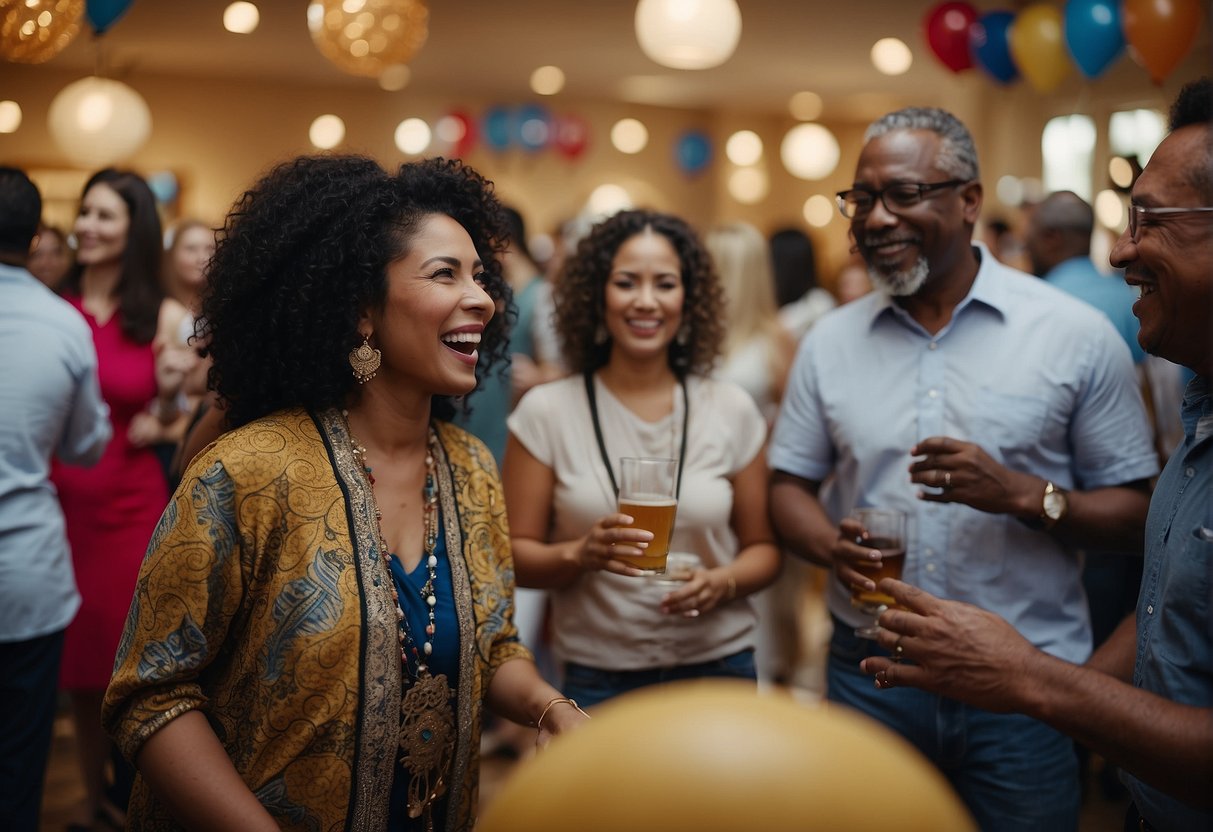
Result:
x=34 y=31
x=99 y=121
x=366 y=37
x=688 y=35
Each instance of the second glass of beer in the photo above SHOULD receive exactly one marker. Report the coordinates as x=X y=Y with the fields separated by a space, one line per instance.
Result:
x=647 y=495
x=886 y=530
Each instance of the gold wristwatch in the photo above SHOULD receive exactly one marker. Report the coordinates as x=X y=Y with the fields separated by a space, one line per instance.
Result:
x=1054 y=506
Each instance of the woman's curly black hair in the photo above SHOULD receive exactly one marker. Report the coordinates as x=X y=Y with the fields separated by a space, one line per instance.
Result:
x=581 y=290
x=304 y=253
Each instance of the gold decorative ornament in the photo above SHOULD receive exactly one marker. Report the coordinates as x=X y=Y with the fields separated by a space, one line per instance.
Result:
x=367 y=37
x=364 y=360
x=34 y=31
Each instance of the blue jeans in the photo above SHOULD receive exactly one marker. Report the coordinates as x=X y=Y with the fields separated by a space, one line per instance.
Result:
x=589 y=686
x=1013 y=772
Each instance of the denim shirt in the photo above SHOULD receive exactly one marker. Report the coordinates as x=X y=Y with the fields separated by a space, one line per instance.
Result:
x=1174 y=623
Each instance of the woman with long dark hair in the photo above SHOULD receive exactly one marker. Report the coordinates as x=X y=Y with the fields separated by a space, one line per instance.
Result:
x=112 y=508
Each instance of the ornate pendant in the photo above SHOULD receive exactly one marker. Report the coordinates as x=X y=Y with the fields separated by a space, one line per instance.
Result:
x=427 y=738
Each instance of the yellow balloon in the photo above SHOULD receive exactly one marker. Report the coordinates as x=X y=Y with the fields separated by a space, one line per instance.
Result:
x=718 y=755
x=1038 y=46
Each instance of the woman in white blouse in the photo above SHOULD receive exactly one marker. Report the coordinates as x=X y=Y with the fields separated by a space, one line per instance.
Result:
x=638 y=312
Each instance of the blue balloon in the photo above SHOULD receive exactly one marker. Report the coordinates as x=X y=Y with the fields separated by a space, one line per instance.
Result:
x=534 y=127
x=693 y=151
x=990 y=45
x=498 y=128
x=105 y=13
x=1093 y=34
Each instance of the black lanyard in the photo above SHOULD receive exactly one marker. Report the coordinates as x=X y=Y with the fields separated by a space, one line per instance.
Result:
x=606 y=460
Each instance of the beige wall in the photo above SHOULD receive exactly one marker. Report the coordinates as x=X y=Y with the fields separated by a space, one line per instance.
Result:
x=218 y=136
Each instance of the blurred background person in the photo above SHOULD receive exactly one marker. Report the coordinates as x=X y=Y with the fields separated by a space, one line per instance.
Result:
x=490 y=404
x=51 y=405
x=852 y=282
x=191 y=245
x=112 y=508
x=756 y=356
x=639 y=312
x=51 y=259
x=800 y=300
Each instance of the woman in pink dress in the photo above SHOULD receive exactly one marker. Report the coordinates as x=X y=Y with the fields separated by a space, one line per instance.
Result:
x=112 y=508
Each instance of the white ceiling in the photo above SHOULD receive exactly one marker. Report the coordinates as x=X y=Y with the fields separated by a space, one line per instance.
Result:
x=488 y=48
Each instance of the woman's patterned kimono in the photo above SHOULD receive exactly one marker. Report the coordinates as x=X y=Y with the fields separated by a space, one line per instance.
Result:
x=264 y=603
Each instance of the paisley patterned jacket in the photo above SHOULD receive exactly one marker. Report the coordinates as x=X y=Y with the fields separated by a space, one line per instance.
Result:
x=263 y=603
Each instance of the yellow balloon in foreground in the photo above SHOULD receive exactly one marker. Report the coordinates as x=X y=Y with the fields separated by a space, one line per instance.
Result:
x=719 y=756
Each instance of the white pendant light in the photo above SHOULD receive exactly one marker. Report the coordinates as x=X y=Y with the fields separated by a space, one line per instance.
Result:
x=688 y=34
x=99 y=121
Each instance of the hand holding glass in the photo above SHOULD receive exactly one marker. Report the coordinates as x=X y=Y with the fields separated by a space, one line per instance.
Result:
x=646 y=493
x=886 y=530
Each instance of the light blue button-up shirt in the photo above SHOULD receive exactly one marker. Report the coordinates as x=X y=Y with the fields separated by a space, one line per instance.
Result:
x=1038 y=379
x=1106 y=292
x=50 y=403
x=1174 y=616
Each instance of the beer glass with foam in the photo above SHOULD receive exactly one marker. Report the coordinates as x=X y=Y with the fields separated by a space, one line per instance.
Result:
x=646 y=493
x=886 y=530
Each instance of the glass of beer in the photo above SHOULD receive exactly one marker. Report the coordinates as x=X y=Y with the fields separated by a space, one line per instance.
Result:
x=886 y=530
x=646 y=493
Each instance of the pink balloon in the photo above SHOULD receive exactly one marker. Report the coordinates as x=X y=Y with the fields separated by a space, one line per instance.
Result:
x=946 y=27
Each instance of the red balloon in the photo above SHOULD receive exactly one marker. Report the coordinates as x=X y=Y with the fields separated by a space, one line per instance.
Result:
x=570 y=136
x=458 y=130
x=946 y=26
x=1160 y=32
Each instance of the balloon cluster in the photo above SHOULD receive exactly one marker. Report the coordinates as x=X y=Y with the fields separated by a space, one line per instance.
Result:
x=1040 y=41
x=529 y=127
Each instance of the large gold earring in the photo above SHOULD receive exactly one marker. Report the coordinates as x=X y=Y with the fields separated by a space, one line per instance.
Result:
x=364 y=360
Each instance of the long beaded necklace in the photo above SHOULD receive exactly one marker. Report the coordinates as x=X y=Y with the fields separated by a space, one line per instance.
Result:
x=427 y=729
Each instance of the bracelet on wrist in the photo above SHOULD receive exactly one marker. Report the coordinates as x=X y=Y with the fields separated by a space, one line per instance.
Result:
x=559 y=700
x=731 y=593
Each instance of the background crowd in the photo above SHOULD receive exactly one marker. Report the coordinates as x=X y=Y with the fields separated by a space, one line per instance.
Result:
x=373 y=347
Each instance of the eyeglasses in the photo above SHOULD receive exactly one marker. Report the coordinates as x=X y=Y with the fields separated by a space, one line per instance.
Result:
x=859 y=202
x=1136 y=212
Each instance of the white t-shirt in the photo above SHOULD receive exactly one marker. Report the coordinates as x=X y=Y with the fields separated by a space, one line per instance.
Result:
x=612 y=621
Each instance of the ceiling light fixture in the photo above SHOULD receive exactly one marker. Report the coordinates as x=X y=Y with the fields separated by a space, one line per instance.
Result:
x=688 y=34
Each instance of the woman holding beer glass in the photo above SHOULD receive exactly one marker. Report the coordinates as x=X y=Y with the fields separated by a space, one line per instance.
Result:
x=638 y=310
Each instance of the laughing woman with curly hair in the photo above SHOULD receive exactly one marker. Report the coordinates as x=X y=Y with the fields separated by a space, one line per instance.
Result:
x=638 y=310
x=325 y=606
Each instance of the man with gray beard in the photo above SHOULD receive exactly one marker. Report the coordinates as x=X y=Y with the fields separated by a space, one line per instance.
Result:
x=1001 y=415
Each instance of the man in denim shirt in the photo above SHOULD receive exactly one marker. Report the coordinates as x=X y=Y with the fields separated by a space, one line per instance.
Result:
x=1145 y=699
x=1002 y=415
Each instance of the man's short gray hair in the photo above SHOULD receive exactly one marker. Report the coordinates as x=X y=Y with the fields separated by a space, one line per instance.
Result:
x=957 y=154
